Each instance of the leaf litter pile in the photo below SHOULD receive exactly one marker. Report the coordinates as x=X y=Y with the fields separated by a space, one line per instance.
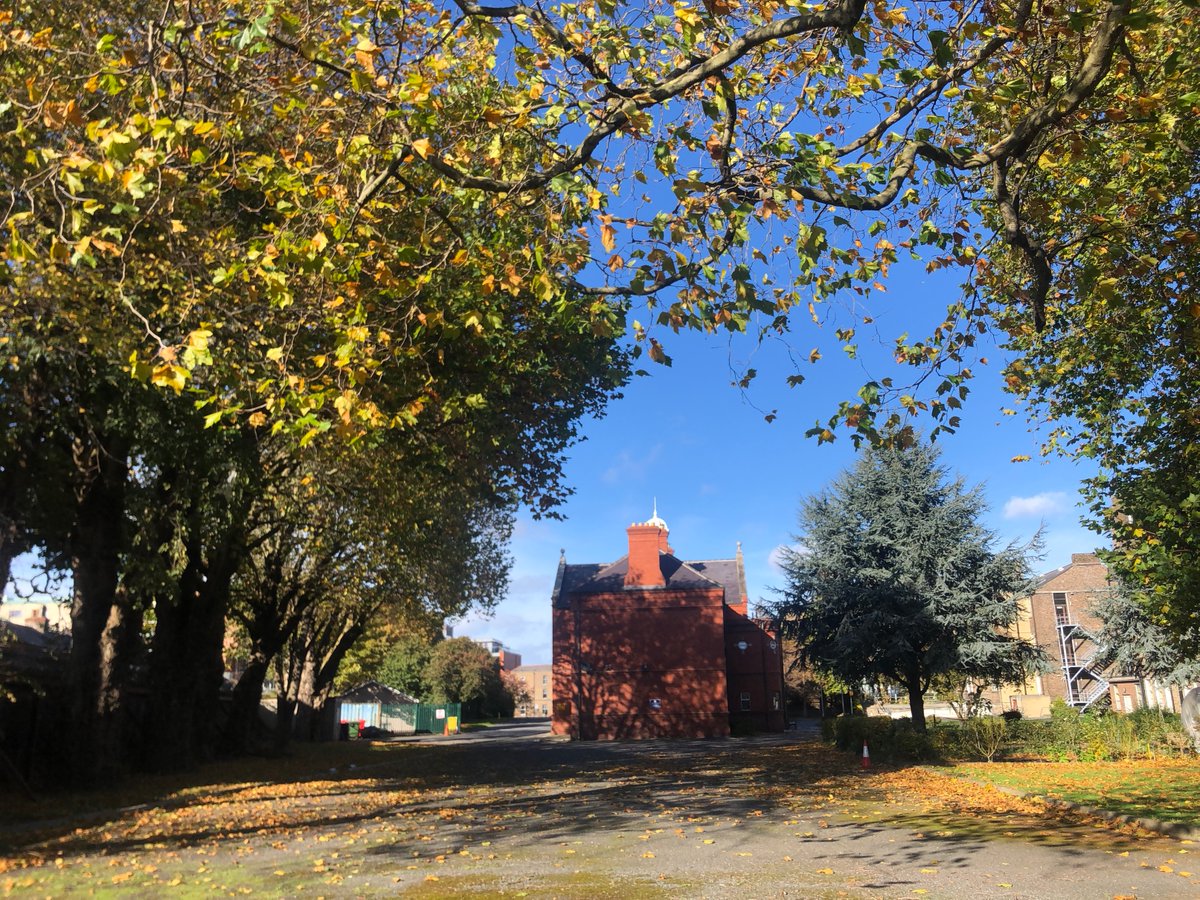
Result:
x=441 y=818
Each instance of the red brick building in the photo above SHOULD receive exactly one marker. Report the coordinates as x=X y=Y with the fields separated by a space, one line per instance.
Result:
x=652 y=646
x=1059 y=618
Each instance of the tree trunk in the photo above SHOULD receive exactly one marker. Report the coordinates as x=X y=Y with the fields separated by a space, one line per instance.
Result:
x=287 y=674
x=187 y=663
x=306 y=691
x=243 y=711
x=916 y=703
x=94 y=663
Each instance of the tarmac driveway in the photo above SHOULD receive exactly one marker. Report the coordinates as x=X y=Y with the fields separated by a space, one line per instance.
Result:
x=510 y=812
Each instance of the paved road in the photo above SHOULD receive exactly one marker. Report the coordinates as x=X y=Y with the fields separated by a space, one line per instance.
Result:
x=650 y=819
x=507 y=811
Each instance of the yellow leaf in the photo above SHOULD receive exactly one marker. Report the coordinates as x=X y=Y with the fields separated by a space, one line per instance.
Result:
x=608 y=234
x=686 y=14
x=170 y=376
x=422 y=147
x=275 y=354
x=824 y=871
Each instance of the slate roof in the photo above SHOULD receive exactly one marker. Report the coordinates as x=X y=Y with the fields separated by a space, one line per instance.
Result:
x=375 y=692
x=1051 y=575
x=596 y=578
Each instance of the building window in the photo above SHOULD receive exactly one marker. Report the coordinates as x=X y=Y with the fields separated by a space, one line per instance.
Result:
x=745 y=701
x=775 y=700
x=1060 y=608
x=543 y=693
x=543 y=679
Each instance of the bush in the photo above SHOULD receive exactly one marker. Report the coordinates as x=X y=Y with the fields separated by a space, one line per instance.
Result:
x=1070 y=735
x=889 y=740
x=1067 y=736
x=1011 y=715
x=985 y=735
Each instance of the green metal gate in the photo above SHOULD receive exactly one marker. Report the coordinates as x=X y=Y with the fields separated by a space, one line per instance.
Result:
x=427 y=717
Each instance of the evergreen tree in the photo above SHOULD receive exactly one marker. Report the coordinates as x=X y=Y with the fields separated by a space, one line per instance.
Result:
x=1134 y=644
x=894 y=577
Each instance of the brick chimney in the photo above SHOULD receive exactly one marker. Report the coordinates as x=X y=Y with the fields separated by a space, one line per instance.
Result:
x=37 y=620
x=645 y=542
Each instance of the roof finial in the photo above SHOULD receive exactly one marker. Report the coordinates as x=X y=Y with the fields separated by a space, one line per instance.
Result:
x=655 y=520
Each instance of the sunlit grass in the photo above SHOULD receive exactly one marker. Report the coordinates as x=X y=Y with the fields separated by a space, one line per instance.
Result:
x=1168 y=790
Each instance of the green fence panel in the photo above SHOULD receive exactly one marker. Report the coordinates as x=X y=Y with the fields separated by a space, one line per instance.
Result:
x=426 y=717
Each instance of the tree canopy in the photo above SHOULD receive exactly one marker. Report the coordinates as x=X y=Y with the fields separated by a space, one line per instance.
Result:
x=462 y=671
x=894 y=577
x=1134 y=644
x=336 y=192
x=229 y=223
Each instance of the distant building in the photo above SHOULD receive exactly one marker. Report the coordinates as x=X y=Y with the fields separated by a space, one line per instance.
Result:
x=652 y=646
x=538 y=681
x=507 y=658
x=41 y=615
x=1059 y=618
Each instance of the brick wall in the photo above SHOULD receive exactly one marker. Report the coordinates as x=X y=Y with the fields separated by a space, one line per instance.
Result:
x=1083 y=581
x=647 y=663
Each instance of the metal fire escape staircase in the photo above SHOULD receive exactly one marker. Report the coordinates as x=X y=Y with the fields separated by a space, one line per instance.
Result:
x=1085 y=682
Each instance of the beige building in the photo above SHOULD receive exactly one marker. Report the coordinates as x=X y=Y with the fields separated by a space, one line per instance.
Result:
x=539 y=683
x=1058 y=618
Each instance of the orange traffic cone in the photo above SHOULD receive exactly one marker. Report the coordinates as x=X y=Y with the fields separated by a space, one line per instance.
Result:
x=866 y=758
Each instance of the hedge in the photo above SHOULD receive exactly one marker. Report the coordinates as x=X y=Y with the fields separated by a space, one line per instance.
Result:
x=1067 y=735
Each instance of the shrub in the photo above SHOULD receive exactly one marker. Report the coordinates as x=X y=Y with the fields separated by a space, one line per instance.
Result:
x=1011 y=715
x=1097 y=736
x=889 y=740
x=985 y=734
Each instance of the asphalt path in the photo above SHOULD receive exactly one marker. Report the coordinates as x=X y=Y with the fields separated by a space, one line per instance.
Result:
x=511 y=811
x=649 y=818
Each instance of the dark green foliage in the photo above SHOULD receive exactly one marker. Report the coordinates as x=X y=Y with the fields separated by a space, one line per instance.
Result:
x=888 y=740
x=461 y=671
x=404 y=663
x=896 y=579
x=1134 y=644
x=1066 y=736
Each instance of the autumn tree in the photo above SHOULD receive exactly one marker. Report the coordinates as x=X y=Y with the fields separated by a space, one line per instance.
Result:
x=462 y=671
x=406 y=660
x=1109 y=202
x=894 y=577
x=401 y=138
x=428 y=216
x=394 y=650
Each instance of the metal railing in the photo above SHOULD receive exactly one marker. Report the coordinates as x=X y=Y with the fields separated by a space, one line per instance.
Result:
x=1085 y=684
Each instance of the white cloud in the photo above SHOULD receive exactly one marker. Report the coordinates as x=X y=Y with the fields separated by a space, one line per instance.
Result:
x=632 y=467
x=1043 y=505
x=775 y=557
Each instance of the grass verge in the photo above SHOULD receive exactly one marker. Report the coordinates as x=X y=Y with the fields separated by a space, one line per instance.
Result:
x=1156 y=789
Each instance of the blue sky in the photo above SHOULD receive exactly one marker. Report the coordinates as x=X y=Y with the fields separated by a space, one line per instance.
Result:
x=722 y=474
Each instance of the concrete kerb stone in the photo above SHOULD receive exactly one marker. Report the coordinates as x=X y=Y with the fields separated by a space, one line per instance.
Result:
x=1170 y=829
